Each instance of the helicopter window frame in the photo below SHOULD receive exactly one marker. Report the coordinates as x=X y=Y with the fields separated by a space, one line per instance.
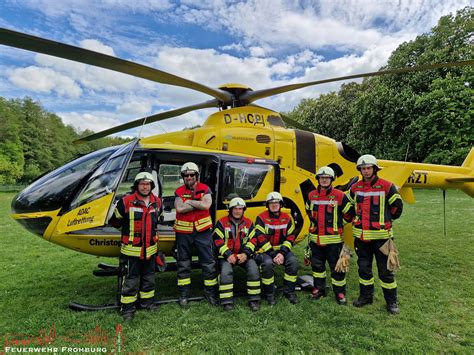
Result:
x=250 y=195
x=105 y=178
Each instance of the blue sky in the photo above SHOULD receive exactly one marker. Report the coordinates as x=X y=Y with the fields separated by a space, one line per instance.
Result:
x=261 y=43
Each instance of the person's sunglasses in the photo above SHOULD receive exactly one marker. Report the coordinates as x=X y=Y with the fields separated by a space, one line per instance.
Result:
x=189 y=175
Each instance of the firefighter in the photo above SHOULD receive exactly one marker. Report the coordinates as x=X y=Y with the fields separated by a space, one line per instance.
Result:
x=376 y=204
x=193 y=227
x=327 y=207
x=235 y=241
x=274 y=230
x=138 y=215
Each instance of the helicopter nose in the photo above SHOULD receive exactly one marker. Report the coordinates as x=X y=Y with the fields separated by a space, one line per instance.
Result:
x=29 y=216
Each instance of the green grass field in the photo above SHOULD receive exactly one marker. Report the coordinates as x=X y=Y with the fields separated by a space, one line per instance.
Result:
x=436 y=294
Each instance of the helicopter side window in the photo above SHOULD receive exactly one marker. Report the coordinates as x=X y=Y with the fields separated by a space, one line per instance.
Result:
x=52 y=190
x=170 y=177
x=102 y=182
x=248 y=181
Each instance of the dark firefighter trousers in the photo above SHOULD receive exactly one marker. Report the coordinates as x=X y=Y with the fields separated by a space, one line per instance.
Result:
x=226 y=284
x=268 y=274
x=202 y=241
x=139 y=280
x=319 y=256
x=365 y=254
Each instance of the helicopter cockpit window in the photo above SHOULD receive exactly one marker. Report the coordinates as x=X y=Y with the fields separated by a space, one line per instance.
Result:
x=51 y=191
x=248 y=181
x=104 y=180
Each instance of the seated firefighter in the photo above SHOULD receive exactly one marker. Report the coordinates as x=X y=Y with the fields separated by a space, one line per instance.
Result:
x=274 y=230
x=235 y=241
x=137 y=214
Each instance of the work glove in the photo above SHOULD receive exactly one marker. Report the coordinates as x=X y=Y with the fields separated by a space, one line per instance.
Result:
x=160 y=262
x=342 y=264
x=390 y=250
x=307 y=255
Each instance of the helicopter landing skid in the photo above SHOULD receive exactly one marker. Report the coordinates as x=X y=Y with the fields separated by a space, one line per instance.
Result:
x=113 y=270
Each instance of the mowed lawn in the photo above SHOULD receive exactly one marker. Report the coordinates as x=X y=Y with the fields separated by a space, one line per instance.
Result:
x=436 y=294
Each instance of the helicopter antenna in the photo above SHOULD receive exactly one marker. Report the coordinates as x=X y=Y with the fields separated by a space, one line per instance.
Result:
x=141 y=129
x=444 y=211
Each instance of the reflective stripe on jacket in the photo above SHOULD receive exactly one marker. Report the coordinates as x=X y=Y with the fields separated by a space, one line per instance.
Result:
x=275 y=232
x=327 y=209
x=377 y=203
x=139 y=225
x=234 y=238
x=196 y=219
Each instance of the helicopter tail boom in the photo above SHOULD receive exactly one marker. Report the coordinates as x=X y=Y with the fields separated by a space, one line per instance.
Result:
x=432 y=176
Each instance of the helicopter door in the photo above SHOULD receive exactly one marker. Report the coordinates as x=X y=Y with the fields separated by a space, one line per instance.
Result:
x=91 y=205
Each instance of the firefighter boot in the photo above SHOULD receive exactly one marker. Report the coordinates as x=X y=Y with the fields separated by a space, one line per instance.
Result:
x=229 y=307
x=291 y=296
x=362 y=301
x=393 y=308
x=210 y=296
x=183 y=299
x=271 y=299
x=289 y=291
x=316 y=293
x=128 y=311
x=149 y=304
x=254 y=306
x=127 y=317
x=341 y=299
x=269 y=291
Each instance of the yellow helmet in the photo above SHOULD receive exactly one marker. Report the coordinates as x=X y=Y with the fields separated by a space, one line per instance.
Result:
x=189 y=166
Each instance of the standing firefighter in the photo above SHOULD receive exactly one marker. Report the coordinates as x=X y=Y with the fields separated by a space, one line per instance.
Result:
x=377 y=203
x=193 y=227
x=235 y=241
x=326 y=207
x=274 y=231
x=138 y=215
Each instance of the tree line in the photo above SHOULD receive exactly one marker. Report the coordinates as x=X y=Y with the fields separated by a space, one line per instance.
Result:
x=422 y=116
x=34 y=141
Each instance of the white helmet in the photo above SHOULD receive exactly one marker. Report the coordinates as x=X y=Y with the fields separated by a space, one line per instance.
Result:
x=145 y=176
x=189 y=166
x=274 y=196
x=325 y=171
x=367 y=160
x=236 y=202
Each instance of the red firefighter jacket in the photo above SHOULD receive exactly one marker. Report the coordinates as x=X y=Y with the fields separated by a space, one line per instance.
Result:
x=274 y=232
x=231 y=237
x=376 y=204
x=199 y=220
x=327 y=208
x=139 y=224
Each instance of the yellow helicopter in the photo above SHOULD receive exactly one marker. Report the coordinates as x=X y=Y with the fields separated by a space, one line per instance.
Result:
x=242 y=149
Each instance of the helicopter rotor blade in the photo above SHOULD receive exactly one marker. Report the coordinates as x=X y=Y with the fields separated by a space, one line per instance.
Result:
x=61 y=50
x=251 y=96
x=150 y=119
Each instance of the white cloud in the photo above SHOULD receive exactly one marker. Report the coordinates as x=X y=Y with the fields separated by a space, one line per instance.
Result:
x=44 y=80
x=135 y=107
x=278 y=42
x=95 y=121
